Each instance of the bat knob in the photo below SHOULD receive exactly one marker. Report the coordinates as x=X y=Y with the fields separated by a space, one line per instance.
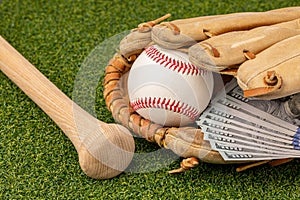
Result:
x=106 y=155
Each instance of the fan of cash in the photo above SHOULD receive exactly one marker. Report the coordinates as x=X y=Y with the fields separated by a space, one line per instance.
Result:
x=243 y=129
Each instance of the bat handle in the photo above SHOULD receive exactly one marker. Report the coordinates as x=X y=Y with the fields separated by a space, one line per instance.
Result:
x=104 y=150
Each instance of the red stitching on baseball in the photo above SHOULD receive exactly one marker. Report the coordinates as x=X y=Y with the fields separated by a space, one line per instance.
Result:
x=168 y=104
x=173 y=64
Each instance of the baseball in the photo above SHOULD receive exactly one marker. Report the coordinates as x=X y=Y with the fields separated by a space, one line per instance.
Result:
x=164 y=87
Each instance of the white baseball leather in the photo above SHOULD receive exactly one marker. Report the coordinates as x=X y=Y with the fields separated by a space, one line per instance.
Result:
x=166 y=88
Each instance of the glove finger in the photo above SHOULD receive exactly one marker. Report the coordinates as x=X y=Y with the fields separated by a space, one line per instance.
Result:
x=234 y=48
x=274 y=73
x=180 y=33
x=139 y=38
x=135 y=42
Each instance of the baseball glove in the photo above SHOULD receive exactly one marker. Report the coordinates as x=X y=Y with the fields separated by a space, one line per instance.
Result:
x=246 y=29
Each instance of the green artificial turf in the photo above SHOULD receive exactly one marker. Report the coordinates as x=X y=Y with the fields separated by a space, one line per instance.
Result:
x=38 y=161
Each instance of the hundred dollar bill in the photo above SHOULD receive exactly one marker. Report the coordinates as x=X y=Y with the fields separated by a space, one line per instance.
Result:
x=225 y=118
x=233 y=156
x=235 y=127
x=233 y=140
x=233 y=137
x=227 y=106
x=234 y=98
x=251 y=107
x=245 y=148
x=246 y=133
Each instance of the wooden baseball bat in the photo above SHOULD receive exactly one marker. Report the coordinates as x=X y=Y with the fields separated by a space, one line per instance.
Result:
x=104 y=150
